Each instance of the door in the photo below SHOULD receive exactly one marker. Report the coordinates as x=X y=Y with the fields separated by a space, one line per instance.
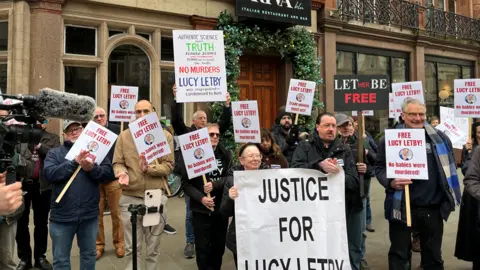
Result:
x=258 y=81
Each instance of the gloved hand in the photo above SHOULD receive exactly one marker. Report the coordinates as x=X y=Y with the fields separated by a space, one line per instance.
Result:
x=293 y=135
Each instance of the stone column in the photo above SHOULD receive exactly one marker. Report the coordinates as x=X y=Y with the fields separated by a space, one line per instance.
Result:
x=46 y=47
x=329 y=63
x=19 y=47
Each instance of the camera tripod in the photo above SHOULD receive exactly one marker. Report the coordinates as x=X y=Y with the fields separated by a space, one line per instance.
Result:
x=135 y=210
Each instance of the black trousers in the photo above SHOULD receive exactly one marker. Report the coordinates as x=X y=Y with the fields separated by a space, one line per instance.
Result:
x=40 y=202
x=210 y=233
x=428 y=223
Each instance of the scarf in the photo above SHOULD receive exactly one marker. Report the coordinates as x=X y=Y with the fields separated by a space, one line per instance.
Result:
x=447 y=161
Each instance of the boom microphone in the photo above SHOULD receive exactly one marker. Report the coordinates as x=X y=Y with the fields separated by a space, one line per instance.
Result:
x=56 y=104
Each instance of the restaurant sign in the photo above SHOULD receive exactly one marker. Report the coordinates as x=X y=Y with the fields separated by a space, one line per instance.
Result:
x=293 y=12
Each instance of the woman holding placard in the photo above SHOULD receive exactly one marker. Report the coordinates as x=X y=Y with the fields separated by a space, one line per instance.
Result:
x=250 y=158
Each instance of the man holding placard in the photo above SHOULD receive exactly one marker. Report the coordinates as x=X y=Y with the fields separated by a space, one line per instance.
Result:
x=140 y=173
x=74 y=208
x=430 y=200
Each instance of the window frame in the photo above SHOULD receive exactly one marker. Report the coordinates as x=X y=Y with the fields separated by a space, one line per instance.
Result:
x=2 y=21
x=118 y=30
x=80 y=66
x=79 y=26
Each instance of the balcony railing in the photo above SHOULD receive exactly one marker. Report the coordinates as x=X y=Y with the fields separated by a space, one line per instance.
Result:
x=407 y=15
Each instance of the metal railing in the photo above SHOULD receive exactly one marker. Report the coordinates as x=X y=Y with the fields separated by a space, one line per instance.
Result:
x=439 y=22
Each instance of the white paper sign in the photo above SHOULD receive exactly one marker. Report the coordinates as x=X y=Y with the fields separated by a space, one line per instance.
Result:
x=452 y=131
x=149 y=138
x=246 y=124
x=364 y=113
x=303 y=219
x=467 y=98
x=300 y=97
x=448 y=114
x=197 y=153
x=96 y=139
x=200 y=72
x=402 y=91
x=122 y=103
x=405 y=150
x=391 y=106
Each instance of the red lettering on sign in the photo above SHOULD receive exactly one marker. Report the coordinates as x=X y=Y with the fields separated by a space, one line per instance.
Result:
x=364 y=98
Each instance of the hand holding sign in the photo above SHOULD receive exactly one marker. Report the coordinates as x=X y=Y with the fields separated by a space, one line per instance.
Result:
x=143 y=163
x=83 y=154
x=400 y=184
x=468 y=145
x=208 y=187
x=208 y=202
x=123 y=178
x=362 y=168
x=87 y=163
x=329 y=165
x=233 y=193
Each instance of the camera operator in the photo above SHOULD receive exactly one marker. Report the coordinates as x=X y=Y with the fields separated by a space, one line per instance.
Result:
x=77 y=212
x=136 y=176
x=22 y=160
x=10 y=196
x=38 y=195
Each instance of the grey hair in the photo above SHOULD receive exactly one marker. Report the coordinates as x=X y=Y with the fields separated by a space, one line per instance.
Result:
x=197 y=114
x=408 y=101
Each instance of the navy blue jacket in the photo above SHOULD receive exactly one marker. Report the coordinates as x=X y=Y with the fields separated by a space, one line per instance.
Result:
x=80 y=202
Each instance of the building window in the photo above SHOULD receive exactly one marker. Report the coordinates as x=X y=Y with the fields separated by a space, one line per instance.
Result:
x=112 y=33
x=3 y=77
x=370 y=61
x=167 y=49
x=3 y=36
x=168 y=79
x=144 y=35
x=80 y=40
x=440 y=74
x=81 y=81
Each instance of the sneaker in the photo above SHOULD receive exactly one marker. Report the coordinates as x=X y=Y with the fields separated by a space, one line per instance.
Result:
x=416 y=244
x=43 y=264
x=189 y=251
x=24 y=265
x=169 y=229
x=370 y=228
x=364 y=265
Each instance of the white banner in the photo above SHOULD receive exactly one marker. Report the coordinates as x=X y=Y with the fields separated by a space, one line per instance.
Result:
x=200 y=72
x=467 y=98
x=448 y=114
x=402 y=91
x=364 y=113
x=94 y=138
x=291 y=217
x=149 y=138
x=391 y=106
x=246 y=125
x=452 y=131
x=122 y=103
x=197 y=153
x=300 y=97
x=406 y=154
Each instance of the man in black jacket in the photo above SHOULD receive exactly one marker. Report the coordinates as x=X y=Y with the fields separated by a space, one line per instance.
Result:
x=199 y=121
x=209 y=227
x=112 y=192
x=286 y=134
x=38 y=193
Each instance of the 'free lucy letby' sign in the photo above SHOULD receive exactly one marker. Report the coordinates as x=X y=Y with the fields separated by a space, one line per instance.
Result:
x=295 y=12
x=361 y=92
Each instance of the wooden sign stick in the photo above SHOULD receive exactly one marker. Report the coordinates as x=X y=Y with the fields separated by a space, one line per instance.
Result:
x=407 y=206
x=470 y=123
x=164 y=183
x=296 y=118
x=68 y=184
x=360 y=150
x=121 y=126
x=208 y=194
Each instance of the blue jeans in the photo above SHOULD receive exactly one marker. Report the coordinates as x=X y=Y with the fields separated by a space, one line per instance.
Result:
x=356 y=238
x=369 y=210
x=62 y=234
x=188 y=222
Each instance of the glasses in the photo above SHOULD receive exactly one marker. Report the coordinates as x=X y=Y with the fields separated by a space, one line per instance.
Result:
x=74 y=130
x=412 y=115
x=146 y=111
x=214 y=134
x=99 y=116
x=257 y=156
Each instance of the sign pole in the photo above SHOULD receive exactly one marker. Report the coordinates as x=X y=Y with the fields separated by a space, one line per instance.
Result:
x=470 y=123
x=407 y=206
x=360 y=150
x=68 y=184
x=121 y=126
x=208 y=194
x=296 y=119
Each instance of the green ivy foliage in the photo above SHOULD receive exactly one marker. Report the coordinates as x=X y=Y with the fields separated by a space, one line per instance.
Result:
x=296 y=44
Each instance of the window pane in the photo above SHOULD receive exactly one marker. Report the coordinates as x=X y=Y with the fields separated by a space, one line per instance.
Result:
x=345 y=62
x=81 y=81
x=167 y=49
x=80 y=40
x=430 y=89
x=145 y=36
x=168 y=79
x=446 y=75
x=399 y=70
x=3 y=78
x=466 y=72
x=3 y=36
x=112 y=33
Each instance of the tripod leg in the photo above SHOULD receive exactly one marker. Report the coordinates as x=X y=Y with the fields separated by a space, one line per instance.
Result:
x=133 y=219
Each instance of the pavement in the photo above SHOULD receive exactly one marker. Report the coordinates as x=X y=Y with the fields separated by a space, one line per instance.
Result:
x=172 y=245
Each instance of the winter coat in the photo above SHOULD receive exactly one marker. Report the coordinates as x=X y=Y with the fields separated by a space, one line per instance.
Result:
x=48 y=142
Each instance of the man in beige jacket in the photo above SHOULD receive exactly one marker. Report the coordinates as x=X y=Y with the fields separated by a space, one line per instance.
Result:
x=136 y=176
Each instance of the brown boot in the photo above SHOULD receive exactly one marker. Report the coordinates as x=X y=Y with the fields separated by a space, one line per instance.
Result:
x=416 y=244
x=120 y=252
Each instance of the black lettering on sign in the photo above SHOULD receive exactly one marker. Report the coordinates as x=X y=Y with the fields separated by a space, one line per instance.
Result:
x=310 y=190
x=296 y=229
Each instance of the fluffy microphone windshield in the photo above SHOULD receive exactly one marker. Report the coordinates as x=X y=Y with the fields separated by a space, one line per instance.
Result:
x=56 y=104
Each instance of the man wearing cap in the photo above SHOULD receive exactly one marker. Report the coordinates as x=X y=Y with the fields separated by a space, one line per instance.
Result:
x=77 y=212
x=111 y=191
x=286 y=134
x=38 y=193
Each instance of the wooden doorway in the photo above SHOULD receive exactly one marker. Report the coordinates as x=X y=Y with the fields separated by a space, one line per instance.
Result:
x=258 y=81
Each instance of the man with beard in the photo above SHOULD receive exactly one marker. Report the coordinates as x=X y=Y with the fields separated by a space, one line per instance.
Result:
x=209 y=227
x=286 y=135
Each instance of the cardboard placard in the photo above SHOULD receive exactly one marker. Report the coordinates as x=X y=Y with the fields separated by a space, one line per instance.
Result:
x=122 y=103
x=467 y=98
x=246 y=124
x=197 y=153
x=300 y=97
x=402 y=91
x=361 y=92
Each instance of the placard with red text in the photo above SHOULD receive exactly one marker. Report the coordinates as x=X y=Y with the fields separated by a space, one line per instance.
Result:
x=122 y=103
x=448 y=114
x=391 y=106
x=467 y=98
x=149 y=138
x=246 y=124
x=197 y=153
x=96 y=139
x=300 y=97
x=405 y=151
x=402 y=91
x=360 y=92
x=452 y=131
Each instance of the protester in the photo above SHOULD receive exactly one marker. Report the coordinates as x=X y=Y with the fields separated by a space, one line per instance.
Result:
x=272 y=155
x=199 y=121
x=286 y=135
x=434 y=121
x=469 y=146
x=250 y=158
x=77 y=212
x=38 y=196
x=136 y=176
x=430 y=201
x=209 y=227
x=112 y=192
